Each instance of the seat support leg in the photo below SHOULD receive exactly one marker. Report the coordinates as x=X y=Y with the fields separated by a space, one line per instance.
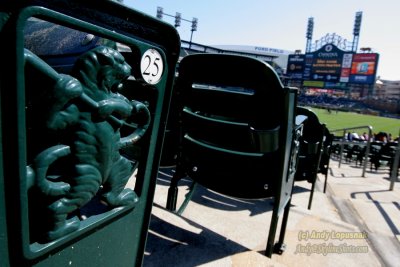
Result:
x=280 y=247
x=173 y=192
x=311 y=194
x=326 y=180
x=272 y=231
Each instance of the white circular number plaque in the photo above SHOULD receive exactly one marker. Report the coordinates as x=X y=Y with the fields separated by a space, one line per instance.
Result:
x=151 y=66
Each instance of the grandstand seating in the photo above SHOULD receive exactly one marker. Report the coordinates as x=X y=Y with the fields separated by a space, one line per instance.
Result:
x=236 y=136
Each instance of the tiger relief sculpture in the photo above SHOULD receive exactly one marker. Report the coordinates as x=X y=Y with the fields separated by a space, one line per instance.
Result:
x=74 y=137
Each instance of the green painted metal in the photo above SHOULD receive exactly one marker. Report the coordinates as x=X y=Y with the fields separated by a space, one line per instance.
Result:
x=79 y=154
x=326 y=156
x=311 y=148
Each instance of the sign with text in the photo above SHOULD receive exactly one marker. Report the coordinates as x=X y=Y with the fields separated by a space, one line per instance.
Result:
x=295 y=67
x=333 y=67
x=327 y=64
x=363 y=68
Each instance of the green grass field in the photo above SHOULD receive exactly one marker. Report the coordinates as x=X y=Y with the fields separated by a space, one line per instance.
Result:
x=342 y=120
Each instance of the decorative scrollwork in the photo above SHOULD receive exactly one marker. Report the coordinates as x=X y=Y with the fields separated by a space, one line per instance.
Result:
x=337 y=40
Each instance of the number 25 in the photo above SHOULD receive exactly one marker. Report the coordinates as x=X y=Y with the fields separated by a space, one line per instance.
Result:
x=151 y=62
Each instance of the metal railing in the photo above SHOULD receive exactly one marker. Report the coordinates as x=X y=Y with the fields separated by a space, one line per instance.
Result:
x=343 y=141
x=395 y=166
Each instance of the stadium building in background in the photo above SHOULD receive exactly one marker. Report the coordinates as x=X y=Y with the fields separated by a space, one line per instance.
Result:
x=331 y=65
x=280 y=56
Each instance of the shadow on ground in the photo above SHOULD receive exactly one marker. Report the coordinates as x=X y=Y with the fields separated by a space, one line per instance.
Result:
x=206 y=197
x=173 y=244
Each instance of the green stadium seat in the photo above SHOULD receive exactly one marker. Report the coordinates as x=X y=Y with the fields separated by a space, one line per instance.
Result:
x=236 y=132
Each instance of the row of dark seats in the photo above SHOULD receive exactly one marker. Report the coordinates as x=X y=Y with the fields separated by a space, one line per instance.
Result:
x=241 y=137
x=380 y=153
x=73 y=138
x=338 y=102
x=232 y=127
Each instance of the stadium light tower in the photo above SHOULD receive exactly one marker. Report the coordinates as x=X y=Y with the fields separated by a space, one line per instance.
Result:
x=309 y=34
x=356 y=30
x=178 y=20
x=160 y=12
x=194 y=28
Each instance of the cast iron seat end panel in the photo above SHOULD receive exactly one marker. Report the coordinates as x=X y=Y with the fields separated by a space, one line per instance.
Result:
x=67 y=131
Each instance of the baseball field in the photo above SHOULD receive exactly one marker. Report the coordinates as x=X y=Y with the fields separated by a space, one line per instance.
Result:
x=339 y=120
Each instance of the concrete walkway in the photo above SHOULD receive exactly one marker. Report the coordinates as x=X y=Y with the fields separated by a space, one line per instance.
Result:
x=356 y=223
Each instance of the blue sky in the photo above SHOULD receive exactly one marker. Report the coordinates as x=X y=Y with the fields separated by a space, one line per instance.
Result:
x=282 y=24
